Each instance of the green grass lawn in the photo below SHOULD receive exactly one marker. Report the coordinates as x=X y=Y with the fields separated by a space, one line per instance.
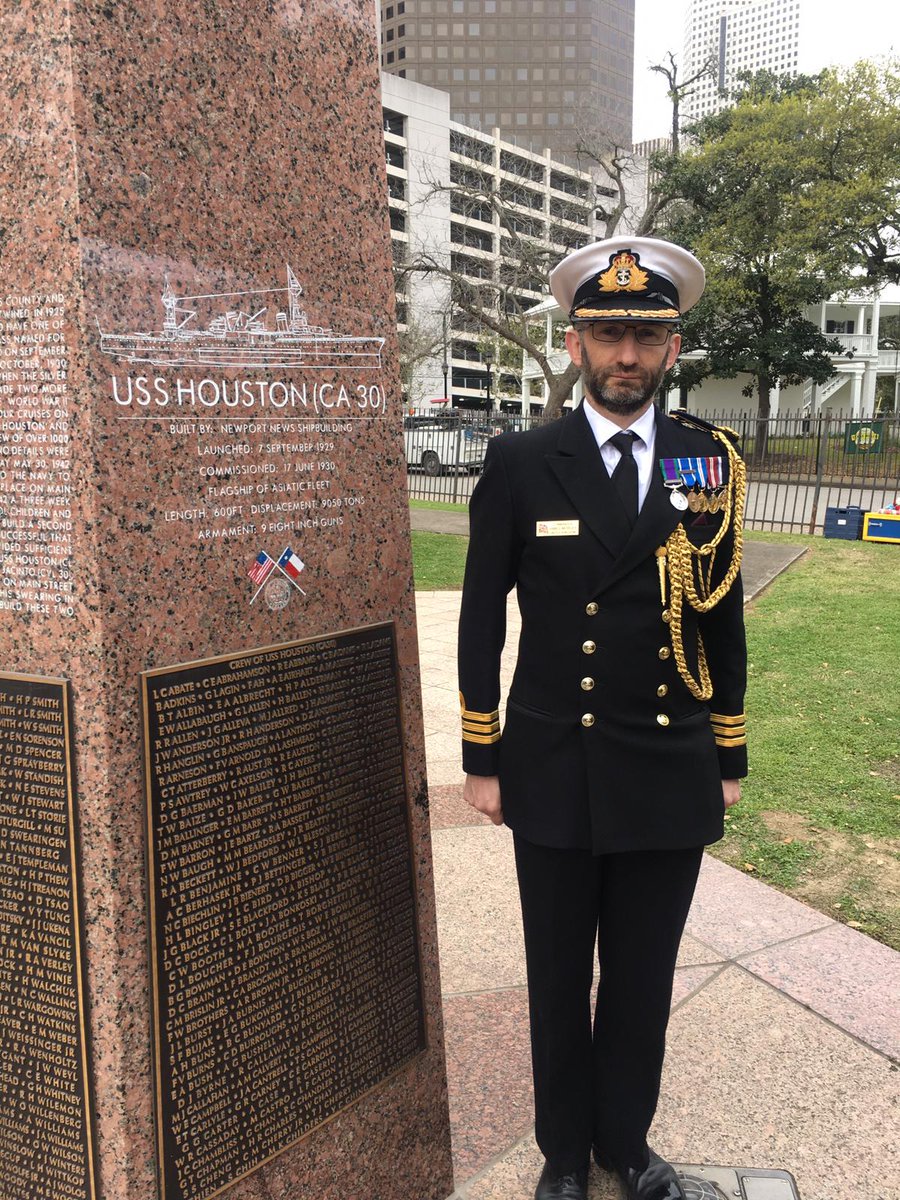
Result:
x=440 y=505
x=820 y=816
x=439 y=560
x=821 y=810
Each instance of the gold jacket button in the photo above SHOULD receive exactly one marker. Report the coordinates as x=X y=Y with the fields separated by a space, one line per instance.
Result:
x=662 y=690
x=592 y=609
x=664 y=652
x=587 y=684
x=662 y=719
x=666 y=615
x=587 y=720
x=589 y=647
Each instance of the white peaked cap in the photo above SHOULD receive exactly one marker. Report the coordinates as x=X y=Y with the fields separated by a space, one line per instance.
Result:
x=664 y=280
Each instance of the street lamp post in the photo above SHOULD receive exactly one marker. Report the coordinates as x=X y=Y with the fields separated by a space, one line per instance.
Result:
x=488 y=361
x=445 y=365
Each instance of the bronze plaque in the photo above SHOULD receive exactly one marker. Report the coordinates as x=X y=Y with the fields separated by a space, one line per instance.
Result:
x=284 y=948
x=46 y=1134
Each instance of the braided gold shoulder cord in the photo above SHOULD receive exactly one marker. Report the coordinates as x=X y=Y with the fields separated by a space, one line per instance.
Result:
x=681 y=556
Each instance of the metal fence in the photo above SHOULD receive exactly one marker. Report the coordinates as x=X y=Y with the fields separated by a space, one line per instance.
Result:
x=797 y=466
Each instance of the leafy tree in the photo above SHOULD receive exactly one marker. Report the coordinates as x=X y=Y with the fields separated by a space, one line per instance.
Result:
x=622 y=200
x=853 y=144
x=787 y=197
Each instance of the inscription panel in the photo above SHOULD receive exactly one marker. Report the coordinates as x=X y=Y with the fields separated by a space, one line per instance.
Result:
x=284 y=952
x=46 y=1139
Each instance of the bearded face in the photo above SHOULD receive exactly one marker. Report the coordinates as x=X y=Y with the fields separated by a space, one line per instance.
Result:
x=619 y=386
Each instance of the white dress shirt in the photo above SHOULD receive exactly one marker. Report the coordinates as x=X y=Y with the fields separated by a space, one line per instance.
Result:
x=645 y=430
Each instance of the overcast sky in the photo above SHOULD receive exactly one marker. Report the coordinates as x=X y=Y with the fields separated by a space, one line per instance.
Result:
x=828 y=35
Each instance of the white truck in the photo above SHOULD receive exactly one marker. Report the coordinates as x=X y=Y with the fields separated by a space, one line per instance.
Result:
x=441 y=443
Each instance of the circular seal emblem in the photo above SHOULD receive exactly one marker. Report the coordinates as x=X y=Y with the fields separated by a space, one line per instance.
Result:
x=864 y=438
x=278 y=593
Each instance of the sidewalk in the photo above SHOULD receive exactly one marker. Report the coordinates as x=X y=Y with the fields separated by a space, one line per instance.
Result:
x=784 y=1038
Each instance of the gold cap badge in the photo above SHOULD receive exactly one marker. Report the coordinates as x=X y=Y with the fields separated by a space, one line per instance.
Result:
x=623 y=275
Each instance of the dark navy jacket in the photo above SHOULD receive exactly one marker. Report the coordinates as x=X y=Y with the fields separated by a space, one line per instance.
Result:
x=604 y=746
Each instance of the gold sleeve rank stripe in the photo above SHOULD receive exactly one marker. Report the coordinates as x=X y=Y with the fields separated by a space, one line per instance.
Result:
x=471 y=715
x=721 y=719
x=480 y=727
x=729 y=731
x=481 y=740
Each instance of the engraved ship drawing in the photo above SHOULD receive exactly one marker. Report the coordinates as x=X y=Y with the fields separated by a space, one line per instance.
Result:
x=238 y=338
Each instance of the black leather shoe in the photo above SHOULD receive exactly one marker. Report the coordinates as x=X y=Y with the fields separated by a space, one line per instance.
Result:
x=561 y=1187
x=656 y=1181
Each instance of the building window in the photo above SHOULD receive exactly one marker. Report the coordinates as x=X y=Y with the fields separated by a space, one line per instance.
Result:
x=389 y=12
x=401 y=53
x=393 y=122
x=390 y=56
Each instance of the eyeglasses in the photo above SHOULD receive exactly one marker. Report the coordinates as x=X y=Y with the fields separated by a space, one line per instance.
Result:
x=644 y=335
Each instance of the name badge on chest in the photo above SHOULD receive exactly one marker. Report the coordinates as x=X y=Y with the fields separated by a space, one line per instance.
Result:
x=557 y=529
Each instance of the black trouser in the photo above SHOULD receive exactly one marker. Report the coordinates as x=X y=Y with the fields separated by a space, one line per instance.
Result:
x=601 y=1087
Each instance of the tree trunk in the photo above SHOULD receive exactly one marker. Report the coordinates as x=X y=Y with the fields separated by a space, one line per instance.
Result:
x=559 y=389
x=761 y=445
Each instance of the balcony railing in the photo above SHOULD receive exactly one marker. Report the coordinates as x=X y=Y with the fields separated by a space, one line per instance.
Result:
x=862 y=344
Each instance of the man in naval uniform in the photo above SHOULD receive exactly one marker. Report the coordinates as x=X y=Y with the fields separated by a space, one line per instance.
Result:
x=624 y=738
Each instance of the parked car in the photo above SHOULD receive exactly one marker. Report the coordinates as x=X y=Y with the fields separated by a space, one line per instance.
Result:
x=440 y=443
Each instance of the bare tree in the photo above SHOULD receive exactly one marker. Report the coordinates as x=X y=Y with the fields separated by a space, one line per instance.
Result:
x=417 y=343
x=621 y=198
x=497 y=295
x=677 y=92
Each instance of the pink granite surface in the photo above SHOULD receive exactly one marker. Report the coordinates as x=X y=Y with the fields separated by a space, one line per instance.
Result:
x=734 y=914
x=842 y=975
x=210 y=145
x=489 y=1074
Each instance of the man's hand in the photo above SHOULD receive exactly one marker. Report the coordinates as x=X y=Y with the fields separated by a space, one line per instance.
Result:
x=483 y=793
x=731 y=791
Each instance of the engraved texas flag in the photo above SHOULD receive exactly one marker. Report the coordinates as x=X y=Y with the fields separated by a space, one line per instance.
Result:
x=291 y=566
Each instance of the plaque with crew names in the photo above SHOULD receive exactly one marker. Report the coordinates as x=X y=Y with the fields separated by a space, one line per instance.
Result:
x=284 y=949
x=46 y=1134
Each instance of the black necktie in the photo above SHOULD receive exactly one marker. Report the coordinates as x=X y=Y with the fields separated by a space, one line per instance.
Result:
x=625 y=476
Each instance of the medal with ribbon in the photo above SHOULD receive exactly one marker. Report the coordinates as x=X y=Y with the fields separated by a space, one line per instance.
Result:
x=672 y=480
x=699 y=477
